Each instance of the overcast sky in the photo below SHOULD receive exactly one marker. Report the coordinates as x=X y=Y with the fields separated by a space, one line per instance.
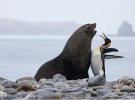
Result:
x=108 y=14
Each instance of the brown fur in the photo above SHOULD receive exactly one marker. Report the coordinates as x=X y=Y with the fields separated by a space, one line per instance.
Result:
x=74 y=61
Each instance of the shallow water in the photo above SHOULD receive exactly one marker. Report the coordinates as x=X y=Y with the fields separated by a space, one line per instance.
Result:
x=23 y=55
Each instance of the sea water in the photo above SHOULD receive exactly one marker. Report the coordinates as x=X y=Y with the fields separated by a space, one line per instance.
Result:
x=23 y=55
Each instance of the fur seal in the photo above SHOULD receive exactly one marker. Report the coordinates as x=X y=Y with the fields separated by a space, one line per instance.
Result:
x=74 y=60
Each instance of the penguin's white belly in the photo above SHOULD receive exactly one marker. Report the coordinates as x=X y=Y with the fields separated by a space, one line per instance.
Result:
x=96 y=63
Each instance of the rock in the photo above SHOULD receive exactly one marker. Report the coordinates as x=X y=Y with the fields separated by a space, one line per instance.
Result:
x=117 y=86
x=68 y=90
x=21 y=94
x=127 y=89
x=8 y=84
x=31 y=82
x=9 y=97
x=26 y=87
x=30 y=96
x=96 y=80
x=1 y=87
x=95 y=88
x=121 y=93
x=44 y=94
x=46 y=82
x=89 y=91
x=83 y=84
x=2 y=95
x=25 y=78
x=61 y=85
x=50 y=95
x=102 y=92
x=111 y=96
x=2 y=79
x=59 y=78
x=46 y=90
x=46 y=86
x=10 y=91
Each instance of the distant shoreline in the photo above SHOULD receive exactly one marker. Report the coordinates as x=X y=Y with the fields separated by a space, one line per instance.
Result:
x=55 y=37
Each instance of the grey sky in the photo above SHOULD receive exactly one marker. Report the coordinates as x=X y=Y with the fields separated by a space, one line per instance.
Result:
x=108 y=14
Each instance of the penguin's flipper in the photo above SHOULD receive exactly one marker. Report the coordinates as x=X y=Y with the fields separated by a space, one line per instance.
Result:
x=107 y=50
x=112 y=56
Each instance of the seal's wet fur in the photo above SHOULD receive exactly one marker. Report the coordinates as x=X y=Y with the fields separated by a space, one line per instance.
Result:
x=74 y=61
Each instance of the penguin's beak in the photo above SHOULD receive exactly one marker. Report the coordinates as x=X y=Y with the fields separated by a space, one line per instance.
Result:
x=107 y=41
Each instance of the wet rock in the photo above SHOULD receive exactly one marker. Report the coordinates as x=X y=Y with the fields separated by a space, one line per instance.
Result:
x=83 y=84
x=44 y=94
x=46 y=86
x=2 y=79
x=9 y=97
x=121 y=93
x=49 y=95
x=42 y=80
x=127 y=89
x=95 y=88
x=46 y=82
x=2 y=95
x=25 y=78
x=102 y=92
x=96 y=80
x=46 y=90
x=21 y=94
x=87 y=90
x=25 y=87
x=31 y=82
x=8 y=84
x=59 y=78
x=30 y=96
x=67 y=90
x=61 y=85
x=10 y=91
x=1 y=87
x=111 y=96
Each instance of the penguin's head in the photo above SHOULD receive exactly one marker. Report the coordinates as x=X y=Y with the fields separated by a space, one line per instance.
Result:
x=107 y=41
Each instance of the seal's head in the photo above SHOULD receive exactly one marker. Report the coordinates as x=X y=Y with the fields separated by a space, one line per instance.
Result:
x=87 y=30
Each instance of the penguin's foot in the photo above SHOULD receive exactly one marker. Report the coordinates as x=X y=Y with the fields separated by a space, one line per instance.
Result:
x=96 y=80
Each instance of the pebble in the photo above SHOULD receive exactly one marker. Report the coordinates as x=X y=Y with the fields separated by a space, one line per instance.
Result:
x=96 y=80
x=61 y=85
x=59 y=78
x=11 y=91
x=60 y=88
x=127 y=89
x=49 y=95
x=25 y=87
x=102 y=92
x=111 y=96
x=67 y=90
x=1 y=79
x=21 y=94
x=8 y=84
x=2 y=95
x=1 y=87
x=25 y=78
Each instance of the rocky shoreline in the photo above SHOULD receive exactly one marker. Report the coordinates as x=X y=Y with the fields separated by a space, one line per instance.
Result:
x=61 y=88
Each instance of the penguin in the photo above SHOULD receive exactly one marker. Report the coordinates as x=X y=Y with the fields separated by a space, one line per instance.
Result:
x=98 y=57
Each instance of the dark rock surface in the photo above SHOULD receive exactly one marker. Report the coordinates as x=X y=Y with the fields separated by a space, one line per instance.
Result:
x=60 y=88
